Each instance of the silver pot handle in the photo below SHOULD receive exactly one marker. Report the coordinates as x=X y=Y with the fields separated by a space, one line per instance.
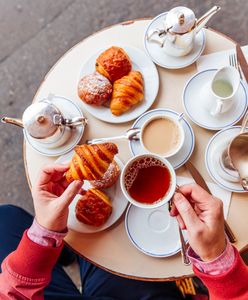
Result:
x=160 y=36
x=77 y=121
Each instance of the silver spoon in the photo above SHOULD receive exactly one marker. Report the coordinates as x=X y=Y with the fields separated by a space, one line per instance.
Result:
x=185 y=258
x=131 y=134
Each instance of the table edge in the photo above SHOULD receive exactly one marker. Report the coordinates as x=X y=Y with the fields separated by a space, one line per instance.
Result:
x=125 y=23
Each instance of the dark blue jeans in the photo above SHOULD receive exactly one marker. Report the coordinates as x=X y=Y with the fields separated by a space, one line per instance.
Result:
x=97 y=283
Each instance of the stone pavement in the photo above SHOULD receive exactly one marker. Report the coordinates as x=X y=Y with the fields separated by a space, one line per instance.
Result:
x=34 y=34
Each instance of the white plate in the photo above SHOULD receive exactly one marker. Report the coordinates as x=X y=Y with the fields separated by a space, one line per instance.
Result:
x=213 y=153
x=118 y=200
x=158 y=55
x=153 y=231
x=196 y=94
x=69 y=111
x=185 y=152
x=140 y=62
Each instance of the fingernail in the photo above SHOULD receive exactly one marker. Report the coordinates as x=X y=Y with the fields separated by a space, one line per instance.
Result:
x=78 y=182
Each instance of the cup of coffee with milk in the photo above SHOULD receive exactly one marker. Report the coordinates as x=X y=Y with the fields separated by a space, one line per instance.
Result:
x=162 y=135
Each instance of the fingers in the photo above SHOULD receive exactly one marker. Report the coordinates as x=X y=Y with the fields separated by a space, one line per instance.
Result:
x=51 y=173
x=195 y=192
x=173 y=210
x=186 y=211
x=72 y=190
x=180 y=222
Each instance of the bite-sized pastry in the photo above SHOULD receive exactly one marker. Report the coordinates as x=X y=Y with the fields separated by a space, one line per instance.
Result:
x=94 y=208
x=90 y=162
x=127 y=92
x=113 y=63
x=95 y=89
x=109 y=178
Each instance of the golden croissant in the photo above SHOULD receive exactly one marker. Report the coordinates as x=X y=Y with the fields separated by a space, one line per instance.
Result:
x=90 y=162
x=127 y=92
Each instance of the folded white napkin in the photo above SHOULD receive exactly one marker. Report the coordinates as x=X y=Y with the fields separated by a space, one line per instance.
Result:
x=218 y=192
x=217 y=60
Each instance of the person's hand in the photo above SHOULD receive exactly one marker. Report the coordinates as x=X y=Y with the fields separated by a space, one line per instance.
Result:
x=52 y=195
x=202 y=215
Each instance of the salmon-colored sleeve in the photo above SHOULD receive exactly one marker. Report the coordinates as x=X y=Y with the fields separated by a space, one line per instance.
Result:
x=27 y=270
x=230 y=285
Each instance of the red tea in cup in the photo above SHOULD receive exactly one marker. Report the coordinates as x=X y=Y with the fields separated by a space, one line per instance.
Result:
x=147 y=180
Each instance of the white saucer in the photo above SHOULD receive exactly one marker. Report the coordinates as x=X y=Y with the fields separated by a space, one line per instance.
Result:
x=140 y=62
x=185 y=152
x=213 y=153
x=164 y=60
x=153 y=231
x=195 y=95
x=69 y=111
x=118 y=200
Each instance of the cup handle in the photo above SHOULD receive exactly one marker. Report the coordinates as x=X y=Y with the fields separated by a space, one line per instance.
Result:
x=218 y=108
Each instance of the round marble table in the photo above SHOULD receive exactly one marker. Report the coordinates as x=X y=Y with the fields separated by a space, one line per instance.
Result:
x=111 y=249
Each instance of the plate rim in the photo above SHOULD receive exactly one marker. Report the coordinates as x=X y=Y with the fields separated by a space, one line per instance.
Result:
x=187 y=123
x=207 y=164
x=155 y=83
x=137 y=246
x=166 y=66
x=209 y=127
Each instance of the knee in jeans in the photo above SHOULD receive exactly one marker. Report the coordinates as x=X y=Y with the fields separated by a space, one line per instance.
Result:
x=9 y=209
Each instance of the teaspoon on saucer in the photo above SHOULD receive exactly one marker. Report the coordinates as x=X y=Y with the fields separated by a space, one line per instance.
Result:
x=131 y=134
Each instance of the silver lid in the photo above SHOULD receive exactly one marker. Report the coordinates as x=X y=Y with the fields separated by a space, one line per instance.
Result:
x=180 y=20
x=39 y=119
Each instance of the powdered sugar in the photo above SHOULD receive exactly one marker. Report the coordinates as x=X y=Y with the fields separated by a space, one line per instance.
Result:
x=95 y=84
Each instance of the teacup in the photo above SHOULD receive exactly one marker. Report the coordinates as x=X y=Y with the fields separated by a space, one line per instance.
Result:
x=148 y=181
x=223 y=88
x=162 y=135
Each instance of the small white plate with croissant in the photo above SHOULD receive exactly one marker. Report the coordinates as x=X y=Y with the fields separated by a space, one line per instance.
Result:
x=98 y=208
x=118 y=84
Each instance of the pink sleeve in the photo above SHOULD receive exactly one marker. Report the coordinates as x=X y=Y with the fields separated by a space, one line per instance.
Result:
x=216 y=267
x=27 y=270
x=45 y=237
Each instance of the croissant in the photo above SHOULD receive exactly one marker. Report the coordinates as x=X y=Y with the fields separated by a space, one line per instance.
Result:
x=127 y=91
x=94 y=208
x=113 y=63
x=90 y=162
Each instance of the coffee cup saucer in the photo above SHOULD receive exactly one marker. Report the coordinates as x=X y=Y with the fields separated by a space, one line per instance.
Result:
x=158 y=55
x=226 y=179
x=195 y=97
x=183 y=154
